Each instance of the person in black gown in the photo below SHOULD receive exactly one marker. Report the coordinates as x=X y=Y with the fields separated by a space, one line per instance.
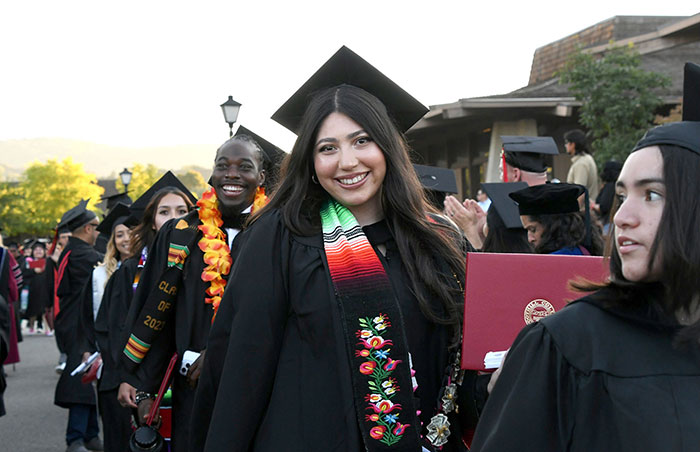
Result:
x=76 y=262
x=619 y=370
x=236 y=190
x=299 y=361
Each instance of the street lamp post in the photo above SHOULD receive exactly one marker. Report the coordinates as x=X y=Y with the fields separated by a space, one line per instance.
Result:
x=230 y=109
x=125 y=176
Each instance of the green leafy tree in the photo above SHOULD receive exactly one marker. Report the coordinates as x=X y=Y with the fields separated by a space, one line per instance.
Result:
x=11 y=199
x=45 y=192
x=618 y=98
x=142 y=177
x=194 y=181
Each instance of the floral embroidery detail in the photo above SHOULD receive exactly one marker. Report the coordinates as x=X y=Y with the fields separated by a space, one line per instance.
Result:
x=377 y=432
x=382 y=388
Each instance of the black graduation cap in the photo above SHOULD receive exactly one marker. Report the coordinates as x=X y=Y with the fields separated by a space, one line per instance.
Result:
x=548 y=199
x=271 y=153
x=435 y=178
x=113 y=200
x=502 y=206
x=527 y=153
x=273 y=156
x=346 y=67
x=76 y=217
x=167 y=180
x=691 y=92
x=118 y=215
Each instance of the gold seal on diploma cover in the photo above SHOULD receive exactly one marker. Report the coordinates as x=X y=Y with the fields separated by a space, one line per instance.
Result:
x=537 y=309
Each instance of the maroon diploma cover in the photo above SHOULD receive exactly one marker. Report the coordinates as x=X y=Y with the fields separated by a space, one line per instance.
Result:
x=505 y=292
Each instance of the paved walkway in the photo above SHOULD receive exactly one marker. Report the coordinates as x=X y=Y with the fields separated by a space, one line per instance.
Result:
x=33 y=423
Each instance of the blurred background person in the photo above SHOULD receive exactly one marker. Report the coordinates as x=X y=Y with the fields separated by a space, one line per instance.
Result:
x=35 y=285
x=583 y=170
x=483 y=200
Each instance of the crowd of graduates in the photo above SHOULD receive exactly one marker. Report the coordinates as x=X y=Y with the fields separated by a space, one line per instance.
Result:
x=316 y=303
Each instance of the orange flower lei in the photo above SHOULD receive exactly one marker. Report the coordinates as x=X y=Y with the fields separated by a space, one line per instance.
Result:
x=217 y=254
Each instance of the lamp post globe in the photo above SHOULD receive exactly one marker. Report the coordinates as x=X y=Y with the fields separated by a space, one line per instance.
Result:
x=230 y=109
x=125 y=177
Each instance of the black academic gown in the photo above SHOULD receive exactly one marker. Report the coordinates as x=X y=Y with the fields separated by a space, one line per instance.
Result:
x=276 y=373
x=187 y=330
x=38 y=295
x=591 y=378
x=81 y=262
x=110 y=337
x=5 y=320
x=110 y=323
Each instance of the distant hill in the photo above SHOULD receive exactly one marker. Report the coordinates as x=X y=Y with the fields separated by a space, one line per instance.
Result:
x=104 y=161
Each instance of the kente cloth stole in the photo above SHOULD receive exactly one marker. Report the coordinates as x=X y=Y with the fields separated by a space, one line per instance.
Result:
x=158 y=308
x=374 y=335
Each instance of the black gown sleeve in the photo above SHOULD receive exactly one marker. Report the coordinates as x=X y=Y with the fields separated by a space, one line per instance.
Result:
x=531 y=407
x=256 y=301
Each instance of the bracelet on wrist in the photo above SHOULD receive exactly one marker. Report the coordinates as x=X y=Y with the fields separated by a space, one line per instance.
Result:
x=141 y=396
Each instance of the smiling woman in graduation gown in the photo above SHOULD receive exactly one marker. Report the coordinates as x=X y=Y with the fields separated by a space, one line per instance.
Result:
x=344 y=298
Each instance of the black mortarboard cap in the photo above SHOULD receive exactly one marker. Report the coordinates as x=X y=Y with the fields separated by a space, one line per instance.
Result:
x=548 y=199
x=167 y=180
x=435 y=178
x=527 y=153
x=113 y=200
x=691 y=92
x=271 y=153
x=685 y=134
x=502 y=206
x=346 y=67
x=76 y=217
x=118 y=215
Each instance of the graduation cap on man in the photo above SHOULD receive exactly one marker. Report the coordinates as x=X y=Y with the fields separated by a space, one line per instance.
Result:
x=527 y=153
x=686 y=133
x=272 y=155
x=345 y=67
x=167 y=180
x=76 y=216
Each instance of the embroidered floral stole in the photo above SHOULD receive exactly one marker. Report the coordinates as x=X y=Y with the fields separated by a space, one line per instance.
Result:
x=374 y=334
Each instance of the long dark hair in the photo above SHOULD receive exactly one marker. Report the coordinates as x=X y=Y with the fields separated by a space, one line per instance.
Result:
x=677 y=244
x=144 y=233
x=567 y=230
x=503 y=240
x=429 y=250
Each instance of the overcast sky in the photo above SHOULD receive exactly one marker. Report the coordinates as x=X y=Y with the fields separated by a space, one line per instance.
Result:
x=151 y=72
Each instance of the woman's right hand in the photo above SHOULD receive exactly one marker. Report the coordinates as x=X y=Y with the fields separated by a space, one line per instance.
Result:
x=127 y=396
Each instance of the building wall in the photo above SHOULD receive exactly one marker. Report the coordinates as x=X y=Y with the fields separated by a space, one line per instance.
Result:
x=552 y=57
